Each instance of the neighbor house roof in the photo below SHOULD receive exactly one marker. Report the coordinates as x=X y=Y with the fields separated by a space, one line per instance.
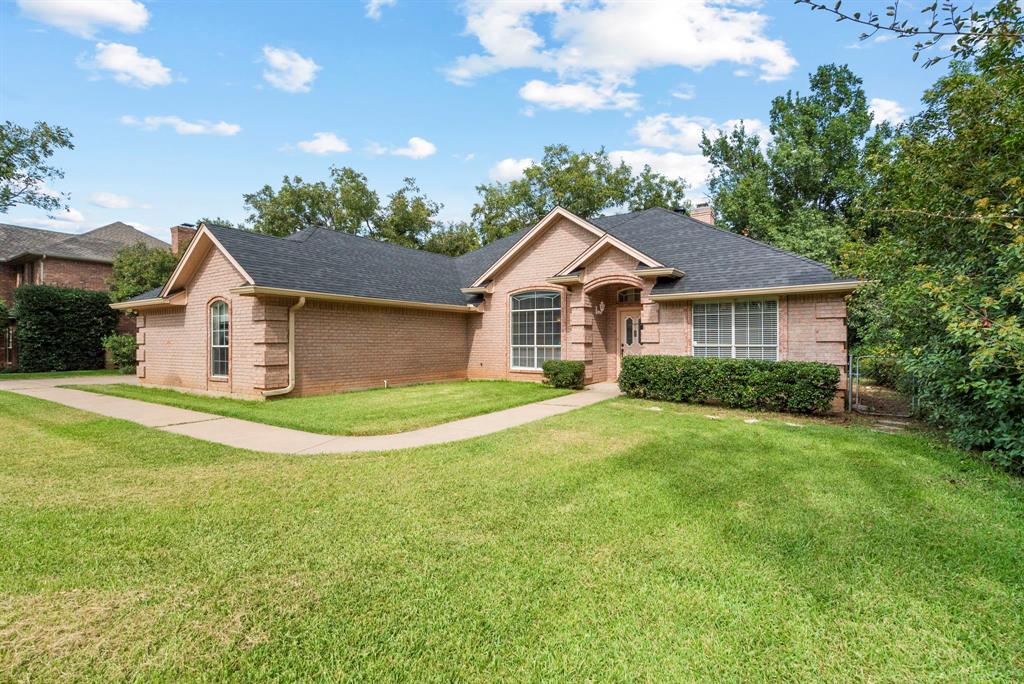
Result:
x=98 y=245
x=328 y=262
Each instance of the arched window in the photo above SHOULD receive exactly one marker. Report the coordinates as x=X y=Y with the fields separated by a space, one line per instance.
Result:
x=536 y=329
x=219 y=339
x=630 y=295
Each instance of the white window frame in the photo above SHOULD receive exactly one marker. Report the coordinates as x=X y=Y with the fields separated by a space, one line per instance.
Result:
x=511 y=330
x=227 y=343
x=732 y=344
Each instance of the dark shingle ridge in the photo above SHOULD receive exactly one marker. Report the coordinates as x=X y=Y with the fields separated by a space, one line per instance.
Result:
x=709 y=226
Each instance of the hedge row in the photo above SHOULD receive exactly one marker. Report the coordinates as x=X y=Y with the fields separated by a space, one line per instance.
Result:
x=790 y=386
x=61 y=328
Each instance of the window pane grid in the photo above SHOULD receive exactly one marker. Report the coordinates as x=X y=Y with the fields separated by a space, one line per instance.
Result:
x=745 y=329
x=536 y=329
x=219 y=339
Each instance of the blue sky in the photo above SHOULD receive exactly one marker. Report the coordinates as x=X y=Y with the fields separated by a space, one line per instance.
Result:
x=178 y=108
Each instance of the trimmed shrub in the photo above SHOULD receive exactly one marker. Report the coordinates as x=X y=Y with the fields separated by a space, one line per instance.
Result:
x=564 y=374
x=61 y=328
x=122 y=349
x=5 y=314
x=790 y=386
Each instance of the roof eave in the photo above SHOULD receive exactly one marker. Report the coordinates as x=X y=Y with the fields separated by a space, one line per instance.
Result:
x=667 y=272
x=253 y=290
x=848 y=286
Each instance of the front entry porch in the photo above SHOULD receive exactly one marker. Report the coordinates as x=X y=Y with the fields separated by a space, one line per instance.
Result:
x=606 y=322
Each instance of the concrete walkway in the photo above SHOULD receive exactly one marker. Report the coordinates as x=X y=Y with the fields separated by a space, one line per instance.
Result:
x=246 y=434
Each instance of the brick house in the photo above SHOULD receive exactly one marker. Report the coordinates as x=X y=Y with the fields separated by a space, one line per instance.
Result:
x=30 y=256
x=319 y=311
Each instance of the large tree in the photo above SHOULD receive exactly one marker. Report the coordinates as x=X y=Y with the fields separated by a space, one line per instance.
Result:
x=25 y=168
x=138 y=268
x=585 y=183
x=942 y=240
x=347 y=204
x=799 y=190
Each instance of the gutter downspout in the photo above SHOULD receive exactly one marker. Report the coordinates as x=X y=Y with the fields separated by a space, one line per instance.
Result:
x=291 y=352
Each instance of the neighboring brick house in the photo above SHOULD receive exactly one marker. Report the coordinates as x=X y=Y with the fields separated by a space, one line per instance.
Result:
x=252 y=315
x=36 y=257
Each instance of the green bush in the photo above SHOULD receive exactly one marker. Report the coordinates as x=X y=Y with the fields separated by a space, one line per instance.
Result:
x=61 y=328
x=791 y=386
x=5 y=314
x=122 y=349
x=564 y=374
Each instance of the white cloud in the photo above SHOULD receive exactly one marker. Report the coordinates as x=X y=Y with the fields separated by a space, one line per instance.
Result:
x=181 y=126
x=465 y=157
x=68 y=221
x=684 y=91
x=692 y=168
x=110 y=200
x=578 y=96
x=323 y=144
x=608 y=43
x=683 y=133
x=127 y=65
x=288 y=70
x=887 y=110
x=373 y=7
x=83 y=18
x=509 y=169
x=416 y=148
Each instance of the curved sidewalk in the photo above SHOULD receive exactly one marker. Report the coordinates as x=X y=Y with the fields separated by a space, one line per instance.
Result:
x=246 y=434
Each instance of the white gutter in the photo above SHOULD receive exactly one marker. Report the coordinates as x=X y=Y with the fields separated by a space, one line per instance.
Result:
x=291 y=352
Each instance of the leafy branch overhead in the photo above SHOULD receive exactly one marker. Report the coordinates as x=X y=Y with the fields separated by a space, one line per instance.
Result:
x=25 y=168
x=968 y=28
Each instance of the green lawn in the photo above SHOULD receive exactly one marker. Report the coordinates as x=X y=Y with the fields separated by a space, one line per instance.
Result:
x=369 y=412
x=56 y=374
x=610 y=543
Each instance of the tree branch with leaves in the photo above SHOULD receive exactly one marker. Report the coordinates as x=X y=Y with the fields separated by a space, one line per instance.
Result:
x=25 y=169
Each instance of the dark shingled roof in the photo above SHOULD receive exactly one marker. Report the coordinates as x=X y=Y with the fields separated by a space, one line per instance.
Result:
x=150 y=294
x=330 y=262
x=98 y=245
x=712 y=259
x=327 y=261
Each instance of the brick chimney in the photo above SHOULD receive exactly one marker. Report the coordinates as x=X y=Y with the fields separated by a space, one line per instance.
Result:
x=703 y=212
x=180 y=237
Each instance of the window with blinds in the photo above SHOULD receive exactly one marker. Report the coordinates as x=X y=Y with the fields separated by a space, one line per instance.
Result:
x=536 y=329
x=744 y=329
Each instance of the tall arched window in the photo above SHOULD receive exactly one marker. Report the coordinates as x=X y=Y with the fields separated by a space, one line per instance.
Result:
x=536 y=329
x=219 y=339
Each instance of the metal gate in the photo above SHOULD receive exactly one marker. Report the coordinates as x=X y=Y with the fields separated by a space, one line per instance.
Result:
x=877 y=400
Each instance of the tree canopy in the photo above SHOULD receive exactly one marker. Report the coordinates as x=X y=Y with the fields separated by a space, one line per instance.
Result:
x=25 y=167
x=940 y=240
x=138 y=268
x=585 y=183
x=799 y=189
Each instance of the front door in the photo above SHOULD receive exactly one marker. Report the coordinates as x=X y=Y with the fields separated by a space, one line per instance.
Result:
x=629 y=336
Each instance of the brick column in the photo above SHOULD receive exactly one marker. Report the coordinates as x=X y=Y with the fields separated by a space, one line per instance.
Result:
x=581 y=329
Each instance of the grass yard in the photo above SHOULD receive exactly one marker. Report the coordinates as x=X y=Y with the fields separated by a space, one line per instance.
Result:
x=56 y=374
x=611 y=543
x=368 y=412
